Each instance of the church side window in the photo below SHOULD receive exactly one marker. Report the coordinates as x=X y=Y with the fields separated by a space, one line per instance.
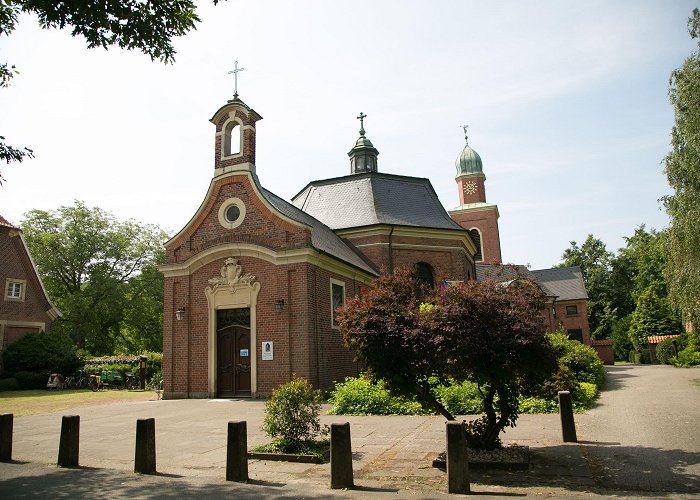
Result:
x=232 y=139
x=424 y=274
x=337 y=300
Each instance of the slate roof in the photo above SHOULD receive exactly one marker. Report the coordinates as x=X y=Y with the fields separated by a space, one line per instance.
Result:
x=502 y=272
x=322 y=237
x=564 y=282
x=374 y=198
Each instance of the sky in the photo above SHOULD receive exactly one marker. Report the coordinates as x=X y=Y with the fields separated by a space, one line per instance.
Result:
x=566 y=102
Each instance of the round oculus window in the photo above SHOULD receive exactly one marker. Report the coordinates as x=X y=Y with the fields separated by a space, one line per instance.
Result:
x=233 y=213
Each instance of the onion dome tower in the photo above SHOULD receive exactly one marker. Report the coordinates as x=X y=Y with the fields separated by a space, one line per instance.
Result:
x=473 y=212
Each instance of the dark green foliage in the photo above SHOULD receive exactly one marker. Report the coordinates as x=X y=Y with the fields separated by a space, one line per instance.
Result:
x=652 y=316
x=579 y=358
x=360 y=396
x=690 y=355
x=620 y=338
x=31 y=380
x=42 y=353
x=9 y=384
x=146 y=26
x=292 y=415
x=682 y=167
x=101 y=275
x=665 y=349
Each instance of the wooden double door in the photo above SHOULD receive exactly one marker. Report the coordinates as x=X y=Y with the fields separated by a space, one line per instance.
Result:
x=233 y=363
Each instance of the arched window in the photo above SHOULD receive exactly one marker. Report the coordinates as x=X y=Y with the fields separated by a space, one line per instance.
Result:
x=232 y=139
x=476 y=235
x=424 y=274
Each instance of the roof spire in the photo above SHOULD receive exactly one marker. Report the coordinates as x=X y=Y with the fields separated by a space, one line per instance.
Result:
x=466 y=136
x=362 y=123
x=235 y=72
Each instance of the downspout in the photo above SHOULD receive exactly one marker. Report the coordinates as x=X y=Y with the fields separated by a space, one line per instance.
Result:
x=391 y=252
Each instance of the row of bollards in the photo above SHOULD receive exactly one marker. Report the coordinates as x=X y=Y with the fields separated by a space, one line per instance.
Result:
x=237 y=448
x=145 y=453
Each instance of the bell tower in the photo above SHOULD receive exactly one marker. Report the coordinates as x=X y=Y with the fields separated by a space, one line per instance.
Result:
x=474 y=213
x=363 y=155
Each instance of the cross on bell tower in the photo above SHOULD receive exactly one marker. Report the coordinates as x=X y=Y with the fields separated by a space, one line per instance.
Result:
x=363 y=156
x=235 y=72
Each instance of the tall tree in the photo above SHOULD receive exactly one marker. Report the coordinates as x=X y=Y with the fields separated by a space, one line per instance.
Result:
x=652 y=316
x=129 y=24
x=100 y=273
x=594 y=260
x=682 y=167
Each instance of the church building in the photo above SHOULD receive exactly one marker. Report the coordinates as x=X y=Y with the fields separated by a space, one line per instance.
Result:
x=252 y=281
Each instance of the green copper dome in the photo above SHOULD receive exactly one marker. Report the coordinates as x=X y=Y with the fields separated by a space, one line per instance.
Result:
x=468 y=162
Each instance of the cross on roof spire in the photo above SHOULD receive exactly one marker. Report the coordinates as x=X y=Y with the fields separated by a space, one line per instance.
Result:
x=235 y=72
x=362 y=123
x=466 y=136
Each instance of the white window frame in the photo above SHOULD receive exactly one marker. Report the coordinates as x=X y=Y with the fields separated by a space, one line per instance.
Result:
x=13 y=282
x=341 y=284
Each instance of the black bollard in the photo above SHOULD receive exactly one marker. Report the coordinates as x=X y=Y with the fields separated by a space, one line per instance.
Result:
x=237 y=452
x=68 y=448
x=341 y=457
x=145 y=459
x=566 y=414
x=457 y=459
x=6 y=420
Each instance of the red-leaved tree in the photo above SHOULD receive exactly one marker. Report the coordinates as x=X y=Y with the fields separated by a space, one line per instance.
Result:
x=490 y=333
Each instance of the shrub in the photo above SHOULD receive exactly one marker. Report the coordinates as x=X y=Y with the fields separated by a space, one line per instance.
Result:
x=531 y=404
x=461 y=399
x=292 y=414
x=580 y=358
x=42 y=353
x=360 y=396
x=687 y=357
x=31 y=380
x=9 y=384
x=665 y=351
x=584 y=394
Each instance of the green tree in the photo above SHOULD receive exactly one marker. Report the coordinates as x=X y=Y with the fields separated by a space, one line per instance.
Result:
x=594 y=260
x=682 y=167
x=652 y=316
x=100 y=273
x=128 y=24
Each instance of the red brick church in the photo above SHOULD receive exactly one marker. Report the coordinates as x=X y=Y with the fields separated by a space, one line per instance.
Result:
x=252 y=281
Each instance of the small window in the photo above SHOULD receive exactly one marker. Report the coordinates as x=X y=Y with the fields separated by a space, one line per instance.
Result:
x=232 y=213
x=14 y=289
x=337 y=300
x=571 y=310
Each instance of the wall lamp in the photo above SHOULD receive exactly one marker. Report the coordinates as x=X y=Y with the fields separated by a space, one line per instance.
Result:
x=279 y=305
x=180 y=313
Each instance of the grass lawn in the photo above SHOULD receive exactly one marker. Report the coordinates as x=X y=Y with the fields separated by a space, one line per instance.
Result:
x=23 y=403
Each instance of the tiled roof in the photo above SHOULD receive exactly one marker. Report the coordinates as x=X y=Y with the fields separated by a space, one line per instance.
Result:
x=655 y=339
x=4 y=222
x=374 y=198
x=566 y=283
x=322 y=237
x=601 y=342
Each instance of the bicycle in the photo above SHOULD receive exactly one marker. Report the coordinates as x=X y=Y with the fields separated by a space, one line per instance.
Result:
x=132 y=381
x=95 y=383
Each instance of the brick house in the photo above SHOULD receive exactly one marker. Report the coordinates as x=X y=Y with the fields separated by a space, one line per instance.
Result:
x=566 y=295
x=252 y=281
x=25 y=305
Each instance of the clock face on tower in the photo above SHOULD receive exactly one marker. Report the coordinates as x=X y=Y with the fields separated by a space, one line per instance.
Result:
x=470 y=187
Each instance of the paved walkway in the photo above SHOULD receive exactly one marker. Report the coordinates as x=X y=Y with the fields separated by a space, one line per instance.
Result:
x=641 y=439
